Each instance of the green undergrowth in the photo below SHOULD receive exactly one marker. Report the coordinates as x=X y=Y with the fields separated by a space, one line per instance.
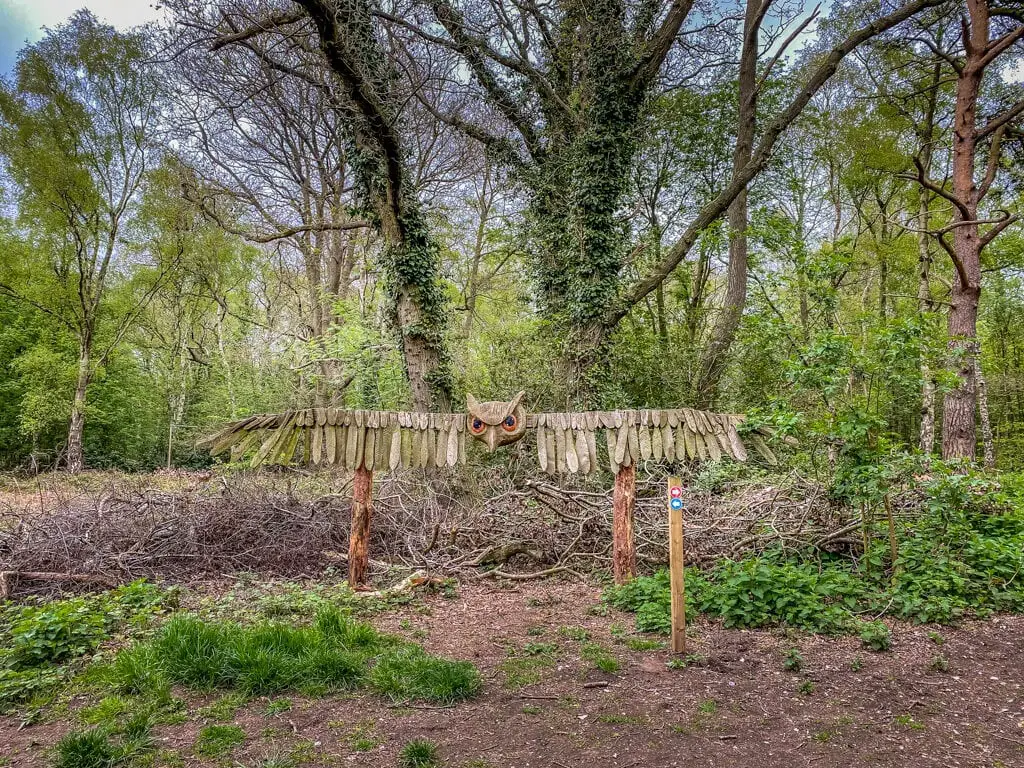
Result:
x=335 y=653
x=43 y=644
x=252 y=599
x=962 y=556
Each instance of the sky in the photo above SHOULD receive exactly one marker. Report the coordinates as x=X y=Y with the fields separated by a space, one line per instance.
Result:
x=22 y=21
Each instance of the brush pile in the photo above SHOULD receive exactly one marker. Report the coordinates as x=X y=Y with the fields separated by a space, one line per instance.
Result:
x=488 y=522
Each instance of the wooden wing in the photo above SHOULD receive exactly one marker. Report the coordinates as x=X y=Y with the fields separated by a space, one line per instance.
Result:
x=568 y=442
x=376 y=440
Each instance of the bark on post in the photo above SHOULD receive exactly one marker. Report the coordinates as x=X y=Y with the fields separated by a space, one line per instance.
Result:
x=623 y=544
x=359 y=536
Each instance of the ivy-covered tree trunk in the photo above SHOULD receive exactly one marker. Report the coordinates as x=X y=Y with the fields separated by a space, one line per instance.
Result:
x=579 y=239
x=925 y=306
x=411 y=261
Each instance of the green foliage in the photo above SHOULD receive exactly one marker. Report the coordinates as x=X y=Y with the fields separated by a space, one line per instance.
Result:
x=40 y=642
x=418 y=753
x=600 y=657
x=88 y=749
x=960 y=557
x=875 y=635
x=114 y=743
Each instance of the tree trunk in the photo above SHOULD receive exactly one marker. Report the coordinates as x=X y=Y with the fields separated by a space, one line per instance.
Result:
x=987 y=443
x=359 y=534
x=75 y=460
x=924 y=306
x=924 y=266
x=623 y=505
x=716 y=355
x=958 y=417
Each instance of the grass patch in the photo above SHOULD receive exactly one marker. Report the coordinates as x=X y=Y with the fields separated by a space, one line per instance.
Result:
x=574 y=633
x=644 y=644
x=408 y=673
x=600 y=657
x=908 y=722
x=336 y=653
x=418 y=753
x=219 y=740
x=106 y=746
x=252 y=600
x=223 y=709
x=620 y=719
x=363 y=738
x=277 y=707
x=524 y=666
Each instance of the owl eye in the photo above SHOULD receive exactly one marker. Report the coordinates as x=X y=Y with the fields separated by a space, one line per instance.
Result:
x=509 y=423
x=476 y=426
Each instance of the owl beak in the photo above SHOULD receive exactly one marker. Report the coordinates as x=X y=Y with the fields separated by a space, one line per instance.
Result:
x=492 y=439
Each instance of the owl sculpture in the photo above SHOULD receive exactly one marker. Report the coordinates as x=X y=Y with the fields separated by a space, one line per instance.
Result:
x=565 y=442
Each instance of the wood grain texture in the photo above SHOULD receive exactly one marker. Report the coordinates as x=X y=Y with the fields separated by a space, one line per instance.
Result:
x=623 y=542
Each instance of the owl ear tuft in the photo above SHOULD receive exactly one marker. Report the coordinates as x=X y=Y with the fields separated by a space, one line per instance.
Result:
x=471 y=404
x=515 y=401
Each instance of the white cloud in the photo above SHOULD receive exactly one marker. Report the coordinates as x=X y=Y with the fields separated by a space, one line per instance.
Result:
x=120 y=13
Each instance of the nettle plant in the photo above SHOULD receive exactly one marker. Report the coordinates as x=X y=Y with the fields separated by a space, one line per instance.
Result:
x=40 y=642
x=961 y=556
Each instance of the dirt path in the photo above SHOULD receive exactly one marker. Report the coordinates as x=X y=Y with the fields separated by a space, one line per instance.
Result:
x=737 y=706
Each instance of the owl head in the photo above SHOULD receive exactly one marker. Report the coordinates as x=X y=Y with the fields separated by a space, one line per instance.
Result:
x=496 y=423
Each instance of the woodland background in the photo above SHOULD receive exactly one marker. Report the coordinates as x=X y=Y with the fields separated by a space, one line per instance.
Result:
x=748 y=207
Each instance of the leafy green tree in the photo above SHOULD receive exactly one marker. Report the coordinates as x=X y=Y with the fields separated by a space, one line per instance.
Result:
x=77 y=135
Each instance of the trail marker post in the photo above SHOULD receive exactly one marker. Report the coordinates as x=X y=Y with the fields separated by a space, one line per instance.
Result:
x=676 y=563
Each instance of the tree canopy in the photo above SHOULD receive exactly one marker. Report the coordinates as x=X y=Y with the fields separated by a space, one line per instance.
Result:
x=806 y=215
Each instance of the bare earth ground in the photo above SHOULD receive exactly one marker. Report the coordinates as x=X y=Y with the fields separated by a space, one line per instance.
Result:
x=739 y=707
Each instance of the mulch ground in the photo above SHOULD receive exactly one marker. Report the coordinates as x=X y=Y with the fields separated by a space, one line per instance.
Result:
x=737 y=706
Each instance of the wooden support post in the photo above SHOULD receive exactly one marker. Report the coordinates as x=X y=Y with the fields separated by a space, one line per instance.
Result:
x=676 y=563
x=359 y=536
x=623 y=545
